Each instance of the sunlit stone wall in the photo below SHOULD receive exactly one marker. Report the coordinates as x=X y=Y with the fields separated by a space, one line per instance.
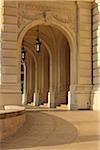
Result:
x=95 y=97
x=9 y=81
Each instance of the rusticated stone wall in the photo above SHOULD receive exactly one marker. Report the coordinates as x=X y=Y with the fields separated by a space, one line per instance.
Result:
x=9 y=79
x=73 y=21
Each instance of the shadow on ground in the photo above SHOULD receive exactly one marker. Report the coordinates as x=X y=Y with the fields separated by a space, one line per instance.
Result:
x=41 y=129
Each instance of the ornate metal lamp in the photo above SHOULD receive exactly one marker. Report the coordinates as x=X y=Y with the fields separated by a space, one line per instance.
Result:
x=38 y=42
x=23 y=51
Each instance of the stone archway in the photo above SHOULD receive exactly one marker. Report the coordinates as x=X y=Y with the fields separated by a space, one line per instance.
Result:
x=63 y=71
x=70 y=21
x=36 y=95
x=69 y=35
x=27 y=80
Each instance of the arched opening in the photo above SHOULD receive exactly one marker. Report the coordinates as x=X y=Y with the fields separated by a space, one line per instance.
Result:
x=30 y=77
x=45 y=76
x=63 y=72
x=51 y=37
x=37 y=68
x=28 y=74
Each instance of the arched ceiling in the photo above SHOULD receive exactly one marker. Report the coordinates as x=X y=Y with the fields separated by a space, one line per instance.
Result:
x=46 y=33
x=50 y=35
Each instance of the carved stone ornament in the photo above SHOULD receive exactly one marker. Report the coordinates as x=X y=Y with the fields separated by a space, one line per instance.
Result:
x=28 y=12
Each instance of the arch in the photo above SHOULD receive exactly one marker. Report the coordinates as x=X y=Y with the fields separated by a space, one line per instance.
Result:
x=28 y=47
x=35 y=61
x=50 y=55
x=71 y=38
x=64 y=58
x=64 y=29
x=69 y=35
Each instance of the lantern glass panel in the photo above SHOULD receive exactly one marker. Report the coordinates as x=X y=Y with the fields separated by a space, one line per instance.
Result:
x=38 y=43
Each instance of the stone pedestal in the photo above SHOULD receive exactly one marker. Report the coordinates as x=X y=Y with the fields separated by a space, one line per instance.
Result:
x=51 y=100
x=83 y=96
x=79 y=97
x=71 y=104
x=36 y=99
x=24 y=100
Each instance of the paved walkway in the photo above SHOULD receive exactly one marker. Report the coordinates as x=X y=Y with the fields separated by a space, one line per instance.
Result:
x=57 y=130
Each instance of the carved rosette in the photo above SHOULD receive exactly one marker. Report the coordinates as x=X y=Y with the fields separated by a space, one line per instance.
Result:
x=28 y=12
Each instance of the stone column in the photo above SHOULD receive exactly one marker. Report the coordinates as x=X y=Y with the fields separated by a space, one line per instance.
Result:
x=52 y=89
x=46 y=70
x=33 y=78
x=10 y=91
x=41 y=76
x=51 y=99
x=24 y=98
x=37 y=81
x=83 y=89
x=95 y=95
x=27 y=76
x=30 y=79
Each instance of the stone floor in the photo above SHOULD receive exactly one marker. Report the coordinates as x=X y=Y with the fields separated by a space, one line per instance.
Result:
x=56 y=130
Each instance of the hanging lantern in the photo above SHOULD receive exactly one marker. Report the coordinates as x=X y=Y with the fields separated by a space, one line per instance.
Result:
x=38 y=42
x=23 y=52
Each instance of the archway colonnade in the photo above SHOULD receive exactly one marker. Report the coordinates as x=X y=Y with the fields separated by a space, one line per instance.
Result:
x=52 y=95
x=50 y=64
x=73 y=21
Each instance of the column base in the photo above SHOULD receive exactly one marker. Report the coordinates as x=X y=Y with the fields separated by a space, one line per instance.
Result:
x=24 y=100
x=51 y=100
x=71 y=101
x=36 y=99
x=81 y=97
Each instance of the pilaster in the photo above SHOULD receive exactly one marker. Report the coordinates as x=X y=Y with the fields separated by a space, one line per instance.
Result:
x=83 y=89
x=10 y=92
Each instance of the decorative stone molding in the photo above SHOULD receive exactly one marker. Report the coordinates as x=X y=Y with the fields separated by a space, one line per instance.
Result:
x=44 y=6
x=61 y=18
x=45 y=12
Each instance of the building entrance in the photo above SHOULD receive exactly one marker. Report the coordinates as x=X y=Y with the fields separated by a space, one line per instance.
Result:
x=47 y=72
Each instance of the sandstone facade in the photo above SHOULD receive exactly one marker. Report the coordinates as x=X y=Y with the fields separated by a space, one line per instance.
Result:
x=67 y=68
